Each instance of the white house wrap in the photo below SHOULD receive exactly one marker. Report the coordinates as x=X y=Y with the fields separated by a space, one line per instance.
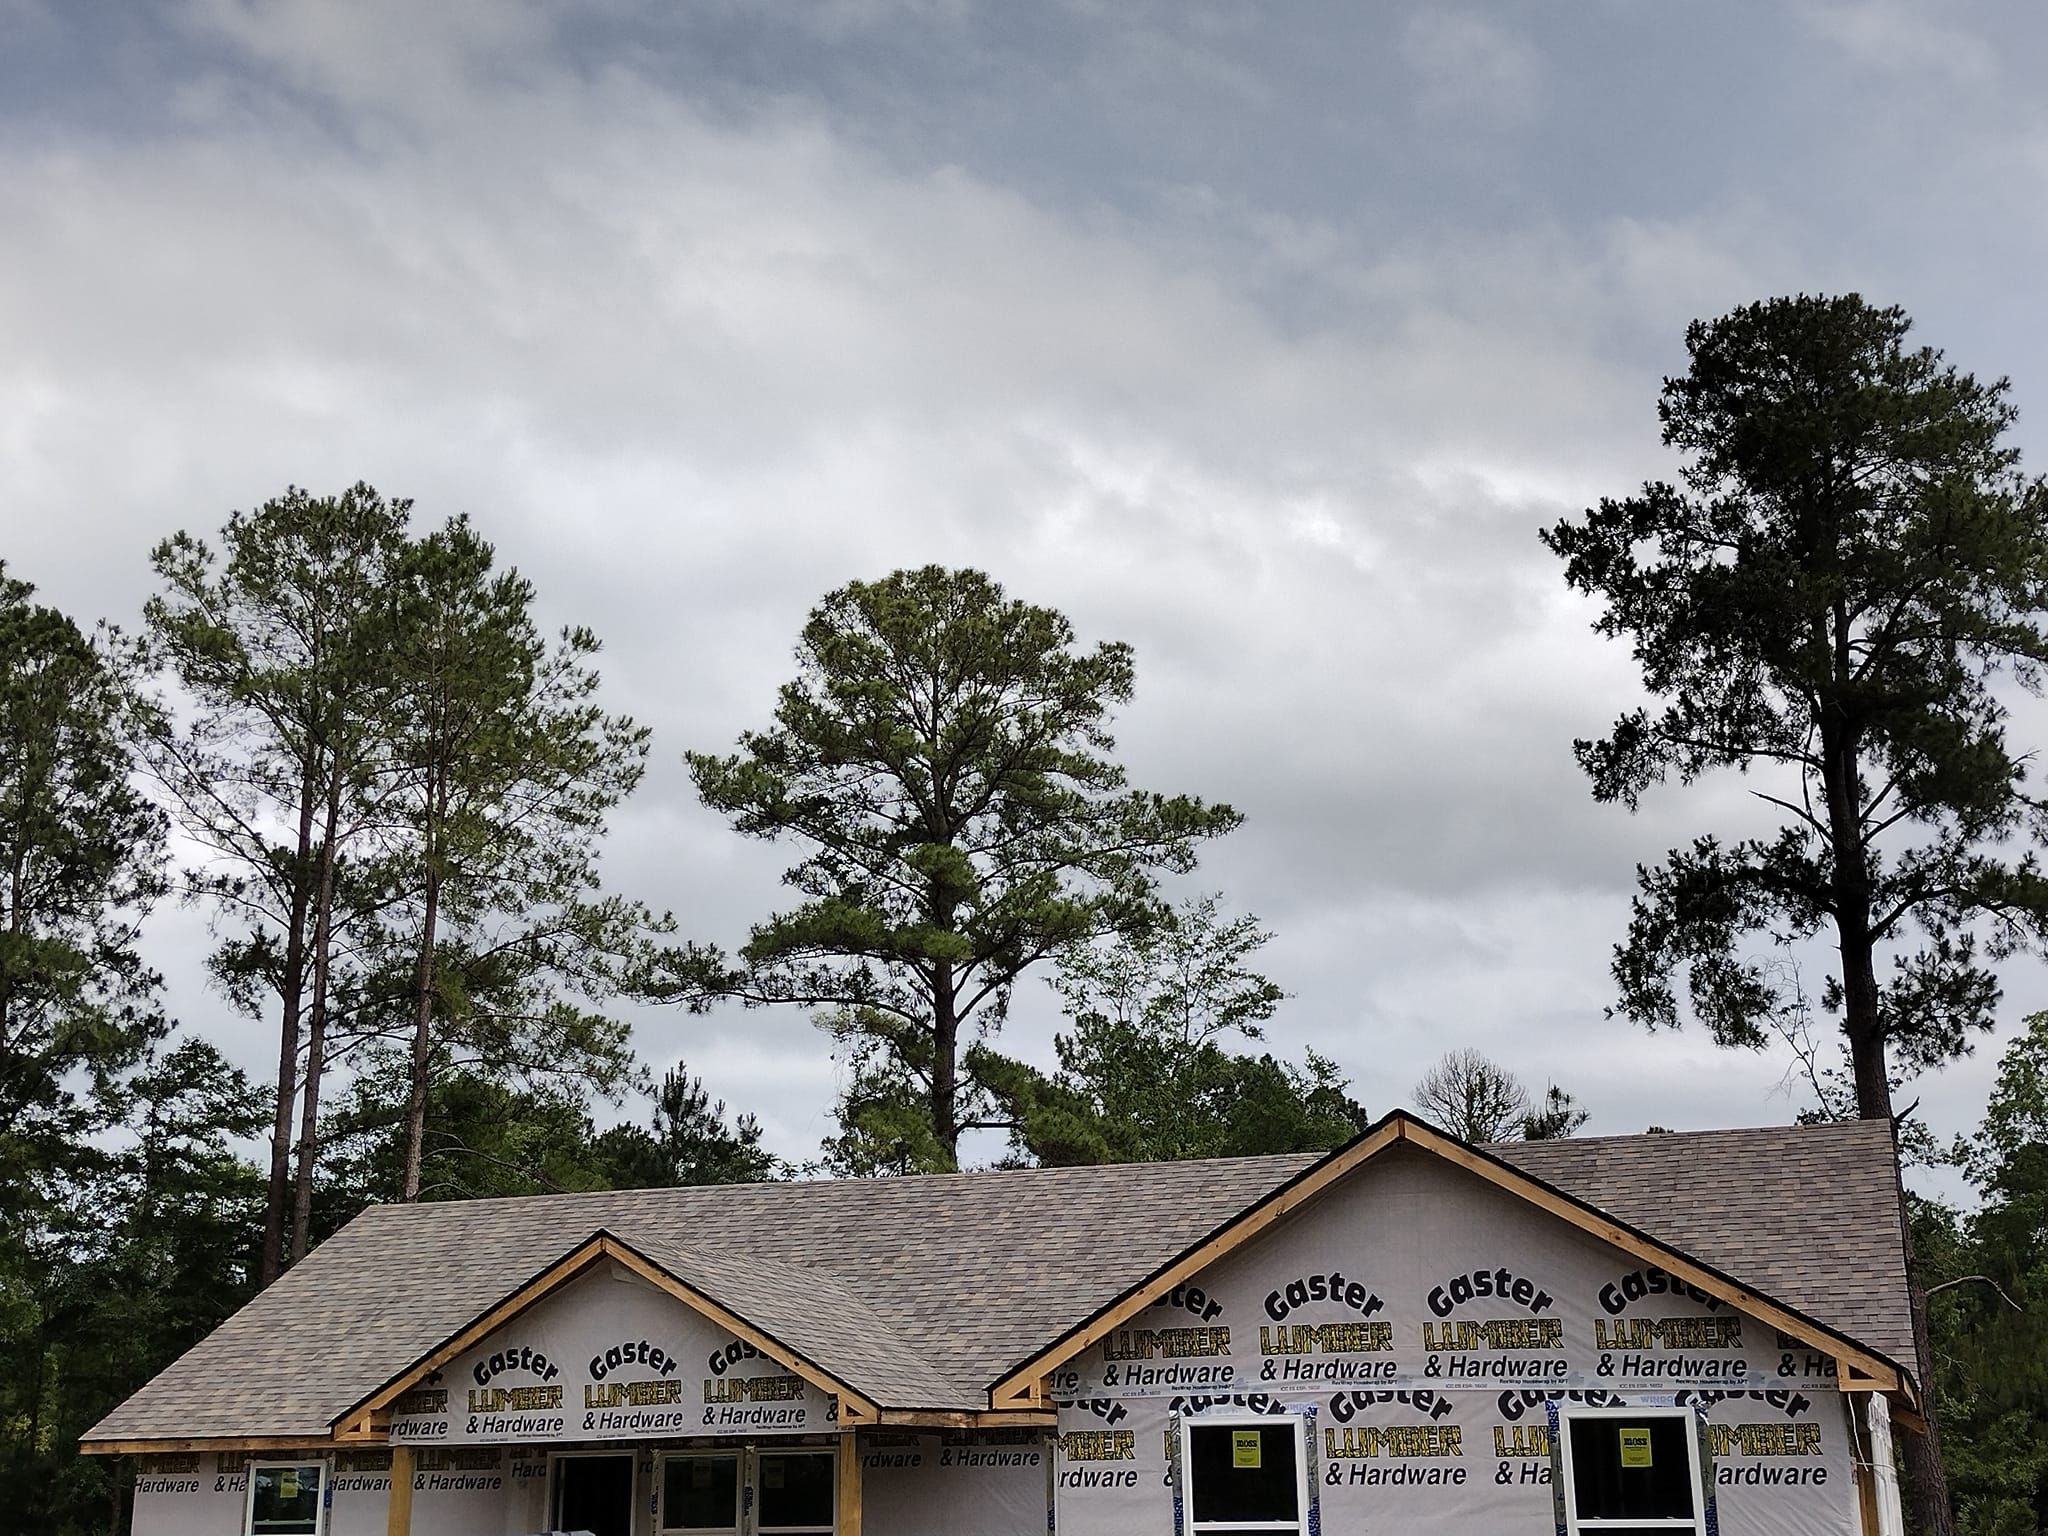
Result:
x=1680 y=1332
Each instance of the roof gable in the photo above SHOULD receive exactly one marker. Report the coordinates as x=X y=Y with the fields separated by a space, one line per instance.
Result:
x=957 y=1278
x=564 y=1326
x=1400 y=1135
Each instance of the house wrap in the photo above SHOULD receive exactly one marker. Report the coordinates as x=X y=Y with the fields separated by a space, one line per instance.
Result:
x=1697 y=1332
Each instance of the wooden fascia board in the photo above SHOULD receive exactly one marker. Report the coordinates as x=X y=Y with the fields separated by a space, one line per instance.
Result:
x=1879 y=1373
x=593 y=1250
x=1019 y=1387
x=311 y=1444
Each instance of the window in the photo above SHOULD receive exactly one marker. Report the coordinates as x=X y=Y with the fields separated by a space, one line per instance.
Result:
x=1632 y=1471
x=593 y=1491
x=795 y=1493
x=1246 y=1475
x=285 y=1498
x=701 y=1494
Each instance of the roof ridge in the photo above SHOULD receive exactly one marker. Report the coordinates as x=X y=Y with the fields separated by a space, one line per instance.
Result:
x=1796 y=1127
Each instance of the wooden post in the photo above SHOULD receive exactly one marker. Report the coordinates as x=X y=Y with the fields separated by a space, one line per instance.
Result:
x=849 y=1484
x=398 y=1508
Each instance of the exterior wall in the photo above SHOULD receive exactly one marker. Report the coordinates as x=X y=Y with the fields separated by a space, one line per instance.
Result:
x=1423 y=1320
x=608 y=1357
x=465 y=1492
x=988 y=1484
x=1456 y=1461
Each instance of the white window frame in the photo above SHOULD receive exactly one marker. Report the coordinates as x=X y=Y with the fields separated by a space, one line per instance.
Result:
x=755 y=1453
x=1568 y=1416
x=736 y=1455
x=1297 y=1423
x=278 y=1464
x=556 y=1458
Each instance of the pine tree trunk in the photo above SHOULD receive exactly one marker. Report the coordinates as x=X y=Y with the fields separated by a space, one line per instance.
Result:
x=316 y=1034
x=277 y=1202
x=1926 y=1479
x=422 y=1020
x=945 y=1063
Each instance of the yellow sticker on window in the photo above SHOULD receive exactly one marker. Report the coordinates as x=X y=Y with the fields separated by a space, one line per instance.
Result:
x=1244 y=1448
x=288 y=1483
x=1635 y=1448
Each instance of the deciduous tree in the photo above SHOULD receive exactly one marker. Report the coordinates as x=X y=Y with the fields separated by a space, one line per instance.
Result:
x=1472 y=1097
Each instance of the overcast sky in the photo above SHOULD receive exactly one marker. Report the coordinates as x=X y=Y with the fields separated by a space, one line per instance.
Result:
x=1262 y=337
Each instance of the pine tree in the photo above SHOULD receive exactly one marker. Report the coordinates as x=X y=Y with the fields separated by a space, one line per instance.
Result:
x=1829 y=601
x=942 y=757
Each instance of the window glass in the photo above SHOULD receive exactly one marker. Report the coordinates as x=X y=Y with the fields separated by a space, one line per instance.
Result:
x=700 y=1493
x=1633 y=1468
x=795 y=1491
x=1245 y=1476
x=285 y=1500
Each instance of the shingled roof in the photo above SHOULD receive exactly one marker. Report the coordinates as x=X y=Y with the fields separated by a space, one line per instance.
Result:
x=979 y=1269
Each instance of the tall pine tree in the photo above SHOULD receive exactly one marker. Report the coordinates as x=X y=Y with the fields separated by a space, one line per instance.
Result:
x=1829 y=600
x=942 y=761
x=277 y=645
x=504 y=768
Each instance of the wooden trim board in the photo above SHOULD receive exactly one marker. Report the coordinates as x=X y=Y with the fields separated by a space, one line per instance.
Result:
x=311 y=1445
x=848 y=1486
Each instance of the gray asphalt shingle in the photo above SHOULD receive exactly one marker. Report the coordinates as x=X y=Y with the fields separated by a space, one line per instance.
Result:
x=921 y=1292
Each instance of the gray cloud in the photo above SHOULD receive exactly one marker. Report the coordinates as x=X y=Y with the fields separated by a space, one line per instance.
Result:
x=1263 y=340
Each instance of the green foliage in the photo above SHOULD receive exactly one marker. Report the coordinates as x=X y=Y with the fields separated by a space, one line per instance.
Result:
x=486 y=1138
x=1851 y=563
x=278 y=645
x=1144 y=1075
x=690 y=1142
x=885 y=1106
x=1990 y=1325
x=152 y=1244
x=942 y=757
x=80 y=862
x=502 y=770
x=1556 y=1116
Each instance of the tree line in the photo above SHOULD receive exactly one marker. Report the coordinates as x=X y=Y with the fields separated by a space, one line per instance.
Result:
x=346 y=739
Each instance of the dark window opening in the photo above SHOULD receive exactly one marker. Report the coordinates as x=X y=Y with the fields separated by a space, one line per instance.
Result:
x=1633 y=1472
x=795 y=1493
x=595 y=1494
x=700 y=1493
x=1245 y=1478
